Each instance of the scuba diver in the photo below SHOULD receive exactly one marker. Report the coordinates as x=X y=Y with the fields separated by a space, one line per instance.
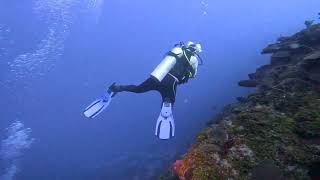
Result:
x=179 y=65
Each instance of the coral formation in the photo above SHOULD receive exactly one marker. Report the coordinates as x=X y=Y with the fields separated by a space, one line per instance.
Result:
x=273 y=133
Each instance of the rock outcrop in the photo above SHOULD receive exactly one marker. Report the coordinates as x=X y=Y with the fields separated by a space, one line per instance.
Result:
x=273 y=133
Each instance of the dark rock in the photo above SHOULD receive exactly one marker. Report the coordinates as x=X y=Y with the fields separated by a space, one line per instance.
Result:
x=311 y=64
x=264 y=68
x=239 y=109
x=248 y=83
x=262 y=71
x=291 y=45
x=280 y=69
x=272 y=48
x=210 y=148
x=304 y=132
x=315 y=77
x=285 y=45
x=252 y=76
x=308 y=123
x=242 y=99
x=220 y=135
x=280 y=58
x=266 y=170
x=310 y=36
x=281 y=54
x=316 y=87
x=294 y=45
x=283 y=38
x=294 y=84
x=285 y=72
x=308 y=23
x=315 y=171
x=313 y=56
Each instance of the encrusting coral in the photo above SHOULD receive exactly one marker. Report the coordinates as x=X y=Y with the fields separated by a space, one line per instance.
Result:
x=273 y=133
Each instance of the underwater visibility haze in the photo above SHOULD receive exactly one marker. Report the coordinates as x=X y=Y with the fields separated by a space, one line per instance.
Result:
x=57 y=56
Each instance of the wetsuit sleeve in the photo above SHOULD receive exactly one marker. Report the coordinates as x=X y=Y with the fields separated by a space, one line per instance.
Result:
x=194 y=63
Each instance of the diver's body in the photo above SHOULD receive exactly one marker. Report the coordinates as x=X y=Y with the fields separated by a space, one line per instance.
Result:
x=178 y=66
x=185 y=67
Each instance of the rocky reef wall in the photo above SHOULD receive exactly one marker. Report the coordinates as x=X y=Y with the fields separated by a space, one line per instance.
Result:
x=273 y=133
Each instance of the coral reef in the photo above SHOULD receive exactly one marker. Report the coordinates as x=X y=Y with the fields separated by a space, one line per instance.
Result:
x=273 y=133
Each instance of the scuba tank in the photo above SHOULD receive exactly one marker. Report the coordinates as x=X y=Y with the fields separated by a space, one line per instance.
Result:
x=171 y=58
x=167 y=63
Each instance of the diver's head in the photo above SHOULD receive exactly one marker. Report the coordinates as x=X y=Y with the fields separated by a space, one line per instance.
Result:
x=194 y=47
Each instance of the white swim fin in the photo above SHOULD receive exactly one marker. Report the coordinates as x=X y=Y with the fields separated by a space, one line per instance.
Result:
x=165 y=127
x=95 y=108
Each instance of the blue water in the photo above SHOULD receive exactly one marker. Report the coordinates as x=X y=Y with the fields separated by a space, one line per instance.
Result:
x=56 y=56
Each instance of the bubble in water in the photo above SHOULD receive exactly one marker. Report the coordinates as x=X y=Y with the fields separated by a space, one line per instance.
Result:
x=9 y=172
x=5 y=42
x=204 y=6
x=17 y=141
x=58 y=15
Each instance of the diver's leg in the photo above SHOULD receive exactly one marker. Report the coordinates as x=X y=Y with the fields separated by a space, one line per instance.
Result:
x=168 y=91
x=165 y=127
x=147 y=85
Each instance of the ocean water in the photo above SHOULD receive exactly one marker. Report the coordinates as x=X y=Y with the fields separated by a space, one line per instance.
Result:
x=56 y=56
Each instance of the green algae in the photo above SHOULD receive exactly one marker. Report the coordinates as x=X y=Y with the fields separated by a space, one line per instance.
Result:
x=204 y=173
x=242 y=165
x=205 y=135
x=271 y=127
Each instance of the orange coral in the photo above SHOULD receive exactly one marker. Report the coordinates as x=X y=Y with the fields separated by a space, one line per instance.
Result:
x=182 y=168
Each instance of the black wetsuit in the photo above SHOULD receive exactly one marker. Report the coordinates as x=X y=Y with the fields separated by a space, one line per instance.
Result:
x=168 y=86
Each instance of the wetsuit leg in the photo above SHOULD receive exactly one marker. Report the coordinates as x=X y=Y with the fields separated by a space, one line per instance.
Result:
x=168 y=89
x=147 y=85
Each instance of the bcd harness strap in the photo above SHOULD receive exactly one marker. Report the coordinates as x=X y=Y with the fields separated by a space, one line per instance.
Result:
x=186 y=57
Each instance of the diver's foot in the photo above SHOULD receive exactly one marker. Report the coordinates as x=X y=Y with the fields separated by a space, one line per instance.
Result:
x=114 y=88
